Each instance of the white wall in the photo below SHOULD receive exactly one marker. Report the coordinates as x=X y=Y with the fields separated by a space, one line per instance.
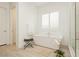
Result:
x=26 y=18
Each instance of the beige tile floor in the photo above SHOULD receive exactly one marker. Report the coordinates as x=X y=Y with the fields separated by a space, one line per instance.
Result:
x=37 y=51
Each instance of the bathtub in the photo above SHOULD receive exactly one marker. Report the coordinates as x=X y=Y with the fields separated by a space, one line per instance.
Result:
x=48 y=41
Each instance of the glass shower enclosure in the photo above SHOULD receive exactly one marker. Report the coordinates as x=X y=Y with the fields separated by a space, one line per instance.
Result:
x=74 y=32
x=77 y=29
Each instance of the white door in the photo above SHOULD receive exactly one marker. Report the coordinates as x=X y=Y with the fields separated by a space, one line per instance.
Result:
x=4 y=32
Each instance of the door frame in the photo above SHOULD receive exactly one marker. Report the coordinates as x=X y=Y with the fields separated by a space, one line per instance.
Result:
x=16 y=25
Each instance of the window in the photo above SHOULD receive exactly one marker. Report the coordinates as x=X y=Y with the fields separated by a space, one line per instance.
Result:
x=45 y=21
x=54 y=20
x=50 y=21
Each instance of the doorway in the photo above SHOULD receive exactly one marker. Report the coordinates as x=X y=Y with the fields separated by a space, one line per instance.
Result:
x=13 y=25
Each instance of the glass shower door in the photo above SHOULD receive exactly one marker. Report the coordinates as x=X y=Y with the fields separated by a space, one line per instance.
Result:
x=77 y=28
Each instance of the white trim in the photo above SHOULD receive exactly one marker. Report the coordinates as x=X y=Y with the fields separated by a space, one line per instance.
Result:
x=10 y=42
x=17 y=40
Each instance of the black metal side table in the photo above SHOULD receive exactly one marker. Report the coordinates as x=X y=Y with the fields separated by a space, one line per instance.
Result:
x=28 y=42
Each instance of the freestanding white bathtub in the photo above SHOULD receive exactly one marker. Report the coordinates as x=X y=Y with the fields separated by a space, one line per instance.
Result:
x=48 y=41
